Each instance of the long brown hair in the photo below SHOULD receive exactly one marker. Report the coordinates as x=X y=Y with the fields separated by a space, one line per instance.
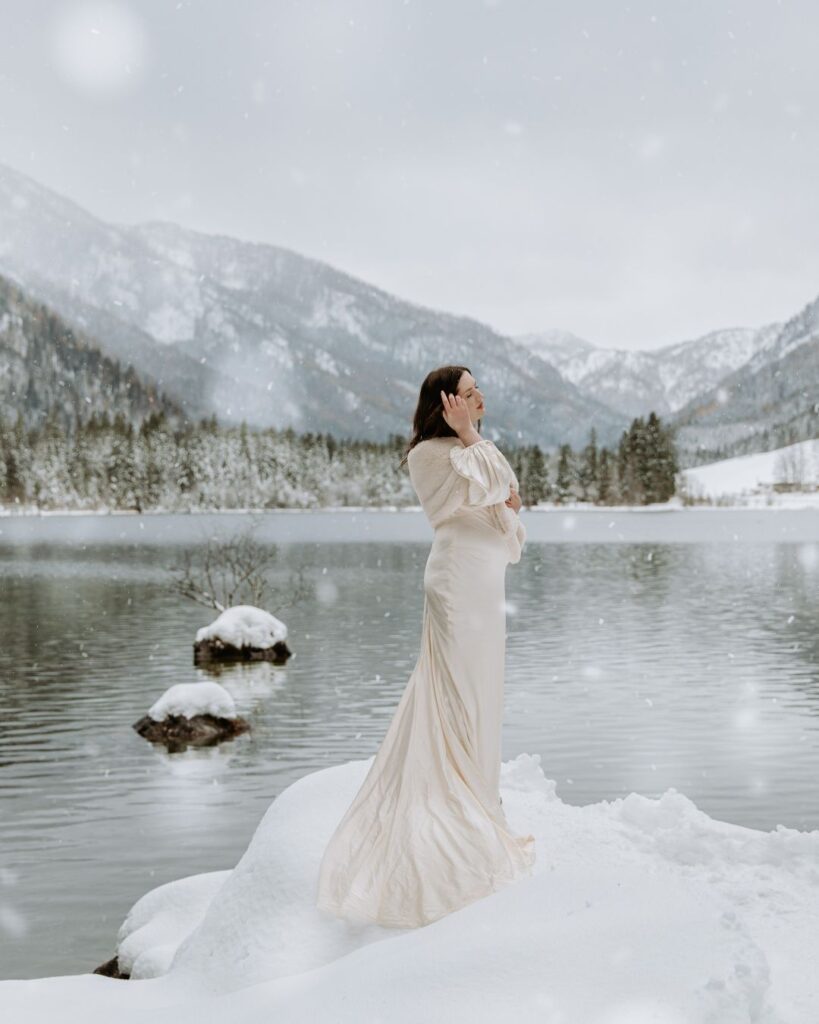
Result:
x=428 y=420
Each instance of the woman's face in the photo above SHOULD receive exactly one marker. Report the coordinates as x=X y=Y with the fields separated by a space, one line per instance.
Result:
x=473 y=396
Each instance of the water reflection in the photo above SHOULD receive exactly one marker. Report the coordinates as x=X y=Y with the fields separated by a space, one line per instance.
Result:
x=695 y=667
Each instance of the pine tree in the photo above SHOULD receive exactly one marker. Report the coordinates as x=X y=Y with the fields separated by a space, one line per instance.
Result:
x=587 y=474
x=243 y=445
x=536 y=488
x=565 y=474
x=630 y=463
x=149 y=487
x=660 y=461
x=186 y=467
x=604 y=478
x=122 y=478
x=78 y=465
x=646 y=462
x=13 y=489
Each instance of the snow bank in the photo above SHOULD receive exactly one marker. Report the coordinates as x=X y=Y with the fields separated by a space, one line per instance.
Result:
x=639 y=910
x=190 y=699
x=243 y=625
x=158 y=922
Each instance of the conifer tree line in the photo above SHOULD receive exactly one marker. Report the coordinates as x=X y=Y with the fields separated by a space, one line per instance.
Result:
x=641 y=470
x=108 y=463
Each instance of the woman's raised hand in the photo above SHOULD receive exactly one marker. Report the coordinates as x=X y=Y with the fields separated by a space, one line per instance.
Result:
x=456 y=412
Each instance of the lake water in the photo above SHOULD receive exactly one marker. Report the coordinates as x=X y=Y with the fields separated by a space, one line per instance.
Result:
x=645 y=650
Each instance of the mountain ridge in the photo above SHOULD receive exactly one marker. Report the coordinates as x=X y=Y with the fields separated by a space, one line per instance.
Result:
x=257 y=332
x=280 y=339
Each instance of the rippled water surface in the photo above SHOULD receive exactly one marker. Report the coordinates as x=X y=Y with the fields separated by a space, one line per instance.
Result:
x=643 y=652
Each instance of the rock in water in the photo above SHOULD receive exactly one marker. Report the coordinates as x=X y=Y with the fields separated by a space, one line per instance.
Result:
x=192 y=714
x=242 y=633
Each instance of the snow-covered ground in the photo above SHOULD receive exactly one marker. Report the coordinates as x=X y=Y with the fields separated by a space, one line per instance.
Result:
x=750 y=479
x=639 y=910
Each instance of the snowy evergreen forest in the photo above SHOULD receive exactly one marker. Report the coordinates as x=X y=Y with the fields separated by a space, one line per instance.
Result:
x=108 y=464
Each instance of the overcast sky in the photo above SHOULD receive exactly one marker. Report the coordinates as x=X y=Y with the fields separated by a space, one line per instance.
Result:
x=636 y=173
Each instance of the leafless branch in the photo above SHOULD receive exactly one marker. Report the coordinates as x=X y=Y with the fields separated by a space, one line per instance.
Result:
x=235 y=570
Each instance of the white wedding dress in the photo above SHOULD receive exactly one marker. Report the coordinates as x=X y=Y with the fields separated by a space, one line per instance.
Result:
x=426 y=833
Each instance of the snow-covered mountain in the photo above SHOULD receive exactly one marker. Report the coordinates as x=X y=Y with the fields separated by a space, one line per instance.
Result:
x=727 y=393
x=49 y=369
x=665 y=379
x=260 y=333
x=771 y=401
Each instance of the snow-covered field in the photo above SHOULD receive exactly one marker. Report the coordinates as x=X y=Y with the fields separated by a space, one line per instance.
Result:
x=751 y=479
x=639 y=910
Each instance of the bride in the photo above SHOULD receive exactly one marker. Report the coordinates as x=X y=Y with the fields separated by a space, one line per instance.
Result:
x=426 y=833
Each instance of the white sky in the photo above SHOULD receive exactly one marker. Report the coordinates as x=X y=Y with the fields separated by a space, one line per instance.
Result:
x=637 y=173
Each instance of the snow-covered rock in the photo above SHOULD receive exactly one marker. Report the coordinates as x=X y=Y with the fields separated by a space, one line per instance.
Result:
x=244 y=625
x=639 y=910
x=243 y=632
x=190 y=699
x=191 y=714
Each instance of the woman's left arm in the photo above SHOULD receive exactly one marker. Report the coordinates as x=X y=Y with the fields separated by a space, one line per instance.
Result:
x=514 y=500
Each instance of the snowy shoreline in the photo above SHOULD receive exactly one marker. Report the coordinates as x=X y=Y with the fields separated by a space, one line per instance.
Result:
x=785 y=478
x=753 y=503
x=674 y=915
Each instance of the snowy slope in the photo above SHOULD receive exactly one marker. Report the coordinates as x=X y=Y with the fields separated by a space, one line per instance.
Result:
x=796 y=466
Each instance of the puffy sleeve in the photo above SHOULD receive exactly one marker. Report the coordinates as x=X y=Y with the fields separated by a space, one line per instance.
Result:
x=488 y=474
x=448 y=476
x=488 y=478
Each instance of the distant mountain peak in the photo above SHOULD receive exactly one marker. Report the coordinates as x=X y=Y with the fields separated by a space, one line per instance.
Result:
x=663 y=379
x=559 y=342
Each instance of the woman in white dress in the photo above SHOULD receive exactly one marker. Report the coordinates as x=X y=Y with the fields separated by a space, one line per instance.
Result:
x=426 y=833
